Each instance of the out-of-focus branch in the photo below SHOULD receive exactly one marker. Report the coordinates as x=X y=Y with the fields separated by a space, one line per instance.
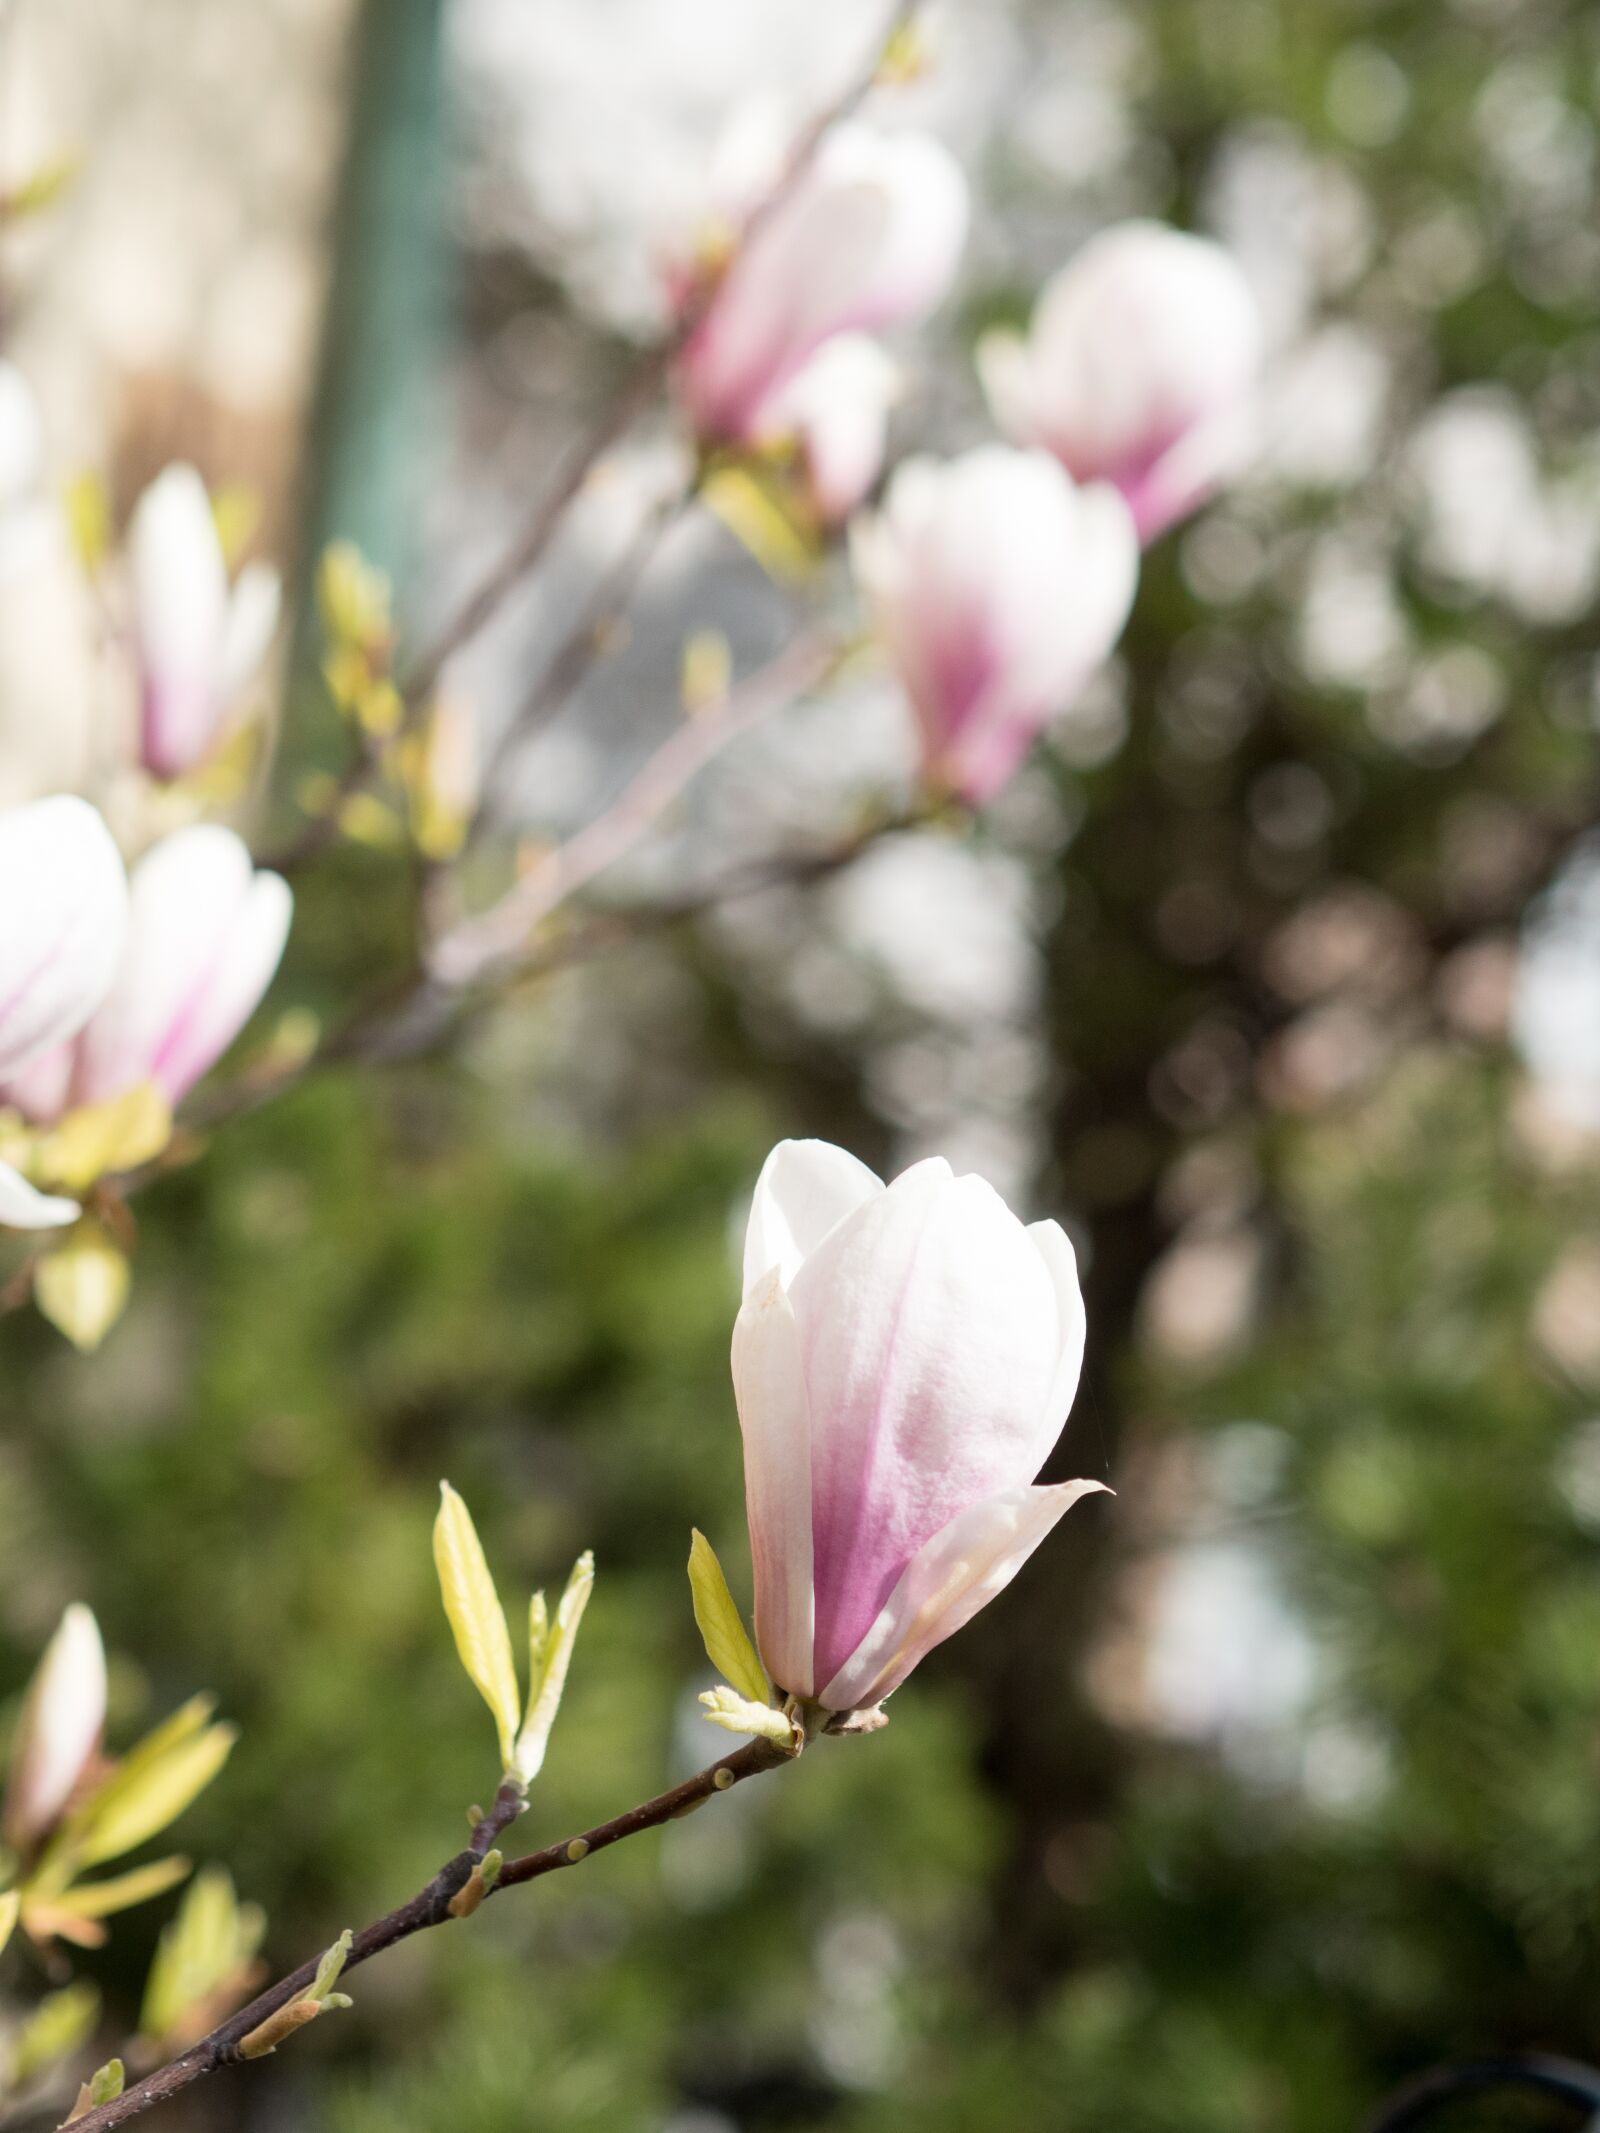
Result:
x=429 y=1907
x=645 y=382
x=471 y=949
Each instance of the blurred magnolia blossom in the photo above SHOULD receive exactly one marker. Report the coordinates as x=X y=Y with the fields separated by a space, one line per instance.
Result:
x=836 y=412
x=24 y=513
x=205 y=935
x=903 y=1363
x=63 y=922
x=1555 y=1012
x=1141 y=369
x=62 y=1720
x=998 y=586
x=200 y=642
x=867 y=237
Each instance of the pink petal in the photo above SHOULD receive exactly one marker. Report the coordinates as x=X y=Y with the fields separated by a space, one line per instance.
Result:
x=180 y=616
x=952 y=1576
x=769 y=1388
x=930 y=1337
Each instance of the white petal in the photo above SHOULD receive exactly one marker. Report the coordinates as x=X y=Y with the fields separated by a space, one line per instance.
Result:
x=63 y=917
x=252 y=619
x=21 y=440
x=805 y=1187
x=21 y=1207
x=955 y=1574
x=1061 y=1263
x=769 y=1388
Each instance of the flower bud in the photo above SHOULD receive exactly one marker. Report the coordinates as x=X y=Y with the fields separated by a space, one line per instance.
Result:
x=997 y=587
x=903 y=1363
x=62 y=1721
x=867 y=237
x=1140 y=370
x=199 y=642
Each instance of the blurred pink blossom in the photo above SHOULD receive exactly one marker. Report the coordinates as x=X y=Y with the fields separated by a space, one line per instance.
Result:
x=868 y=237
x=998 y=586
x=1140 y=369
x=200 y=642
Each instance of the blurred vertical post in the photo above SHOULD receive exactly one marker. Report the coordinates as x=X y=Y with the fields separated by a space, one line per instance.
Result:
x=384 y=333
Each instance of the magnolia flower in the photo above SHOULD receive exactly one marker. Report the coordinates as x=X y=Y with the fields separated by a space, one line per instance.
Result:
x=998 y=587
x=199 y=642
x=60 y=1730
x=205 y=936
x=867 y=237
x=903 y=1363
x=836 y=411
x=63 y=920
x=1140 y=369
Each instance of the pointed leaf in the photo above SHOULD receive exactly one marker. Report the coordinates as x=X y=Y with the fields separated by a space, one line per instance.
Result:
x=550 y=1651
x=724 y=1708
x=476 y=1617
x=60 y=2025
x=728 y=1646
x=144 y=1794
x=100 y=1899
x=10 y=1905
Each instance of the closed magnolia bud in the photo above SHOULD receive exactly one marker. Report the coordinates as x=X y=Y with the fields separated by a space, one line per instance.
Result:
x=867 y=237
x=63 y=922
x=62 y=1721
x=998 y=587
x=903 y=1363
x=1140 y=370
x=199 y=642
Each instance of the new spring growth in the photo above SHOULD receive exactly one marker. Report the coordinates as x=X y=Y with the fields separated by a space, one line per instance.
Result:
x=318 y=1997
x=102 y=2087
x=477 y=1885
x=483 y=1640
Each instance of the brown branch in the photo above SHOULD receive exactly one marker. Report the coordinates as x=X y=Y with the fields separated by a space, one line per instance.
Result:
x=428 y=1908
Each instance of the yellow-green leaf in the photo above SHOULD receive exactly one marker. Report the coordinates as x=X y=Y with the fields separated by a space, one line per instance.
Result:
x=755 y=512
x=60 y=2025
x=207 y=1948
x=724 y=1708
x=81 y=1284
x=99 y=1899
x=728 y=1646
x=146 y=1792
x=476 y=1618
x=10 y=1905
x=550 y=1655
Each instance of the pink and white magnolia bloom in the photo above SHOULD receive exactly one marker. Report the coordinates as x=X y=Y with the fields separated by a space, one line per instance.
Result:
x=200 y=642
x=836 y=410
x=903 y=1363
x=63 y=922
x=1141 y=369
x=998 y=586
x=205 y=937
x=868 y=237
x=62 y=1721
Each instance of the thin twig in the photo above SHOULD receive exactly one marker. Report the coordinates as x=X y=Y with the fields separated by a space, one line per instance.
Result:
x=429 y=1907
x=647 y=379
x=465 y=953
